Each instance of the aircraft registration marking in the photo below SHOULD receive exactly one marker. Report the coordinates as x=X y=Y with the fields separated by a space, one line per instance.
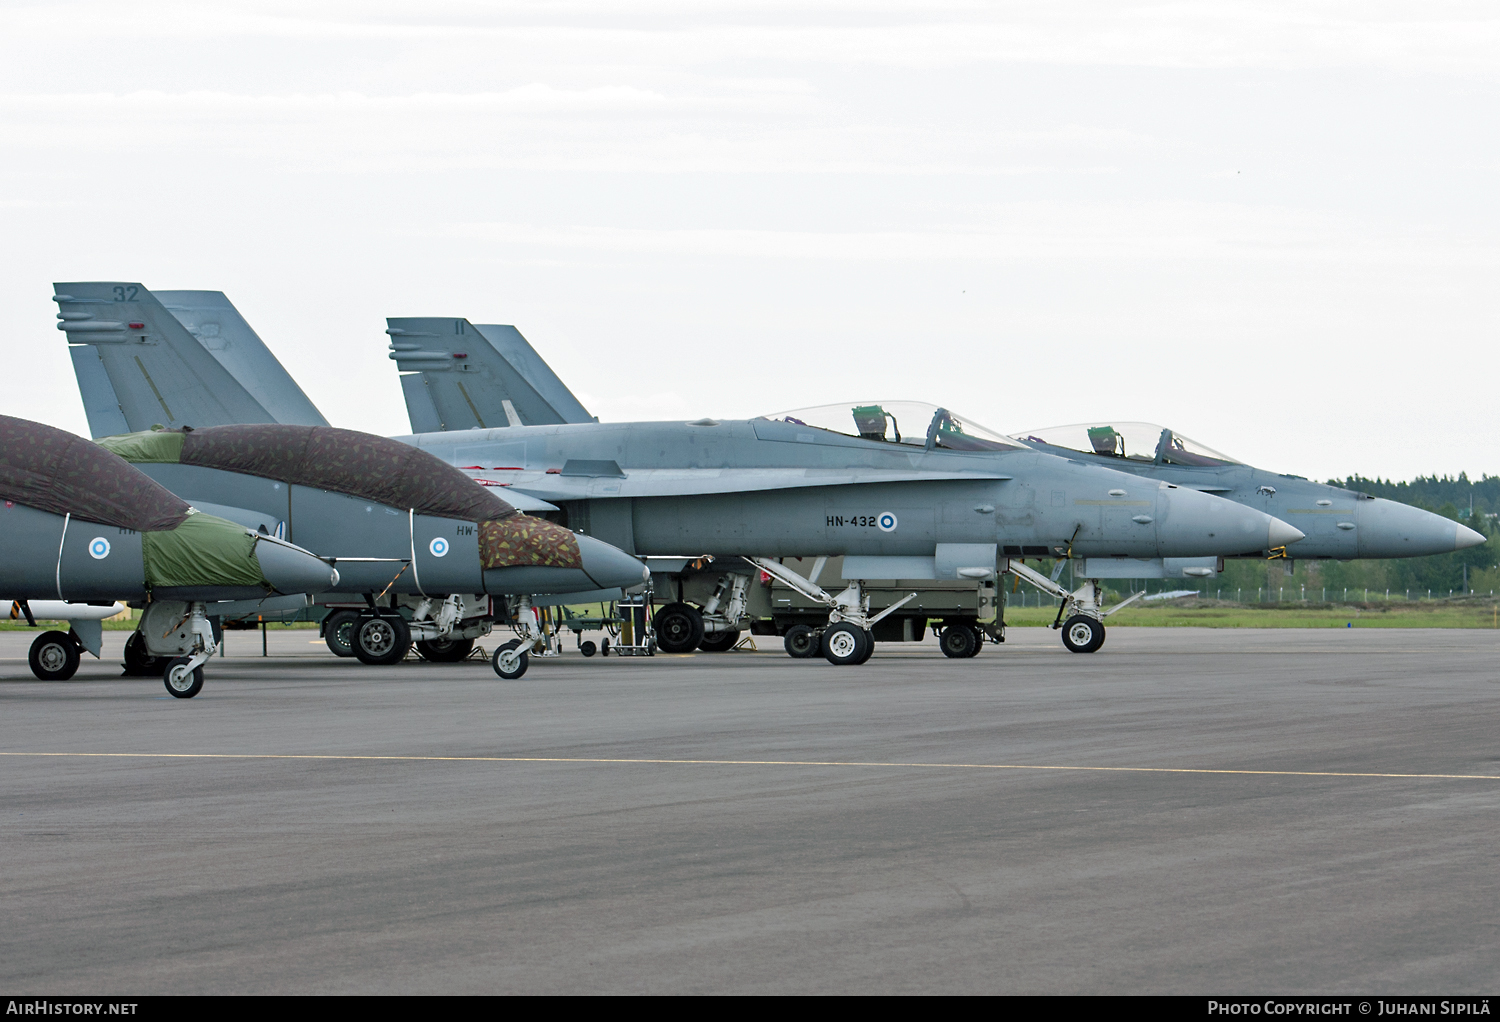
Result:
x=858 y=521
x=752 y=762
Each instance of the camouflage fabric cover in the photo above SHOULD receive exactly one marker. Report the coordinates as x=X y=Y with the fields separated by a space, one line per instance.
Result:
x=202 y=551
x=151 y=447
x=342 y=460
x=53 y=470
x=522 y=540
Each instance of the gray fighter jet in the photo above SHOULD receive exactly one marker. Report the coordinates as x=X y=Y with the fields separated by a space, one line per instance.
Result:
x=1339 y=524
x=79 y=524
x=900 y=491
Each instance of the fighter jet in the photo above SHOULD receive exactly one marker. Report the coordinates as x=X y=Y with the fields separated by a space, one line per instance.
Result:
x=81 y=525
x=1339 y=524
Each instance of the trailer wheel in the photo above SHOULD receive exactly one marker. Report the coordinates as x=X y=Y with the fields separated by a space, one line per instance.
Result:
x=801 y=642
x=587 y=647
x=958 y=640
x=54 y=656
x=336 y=632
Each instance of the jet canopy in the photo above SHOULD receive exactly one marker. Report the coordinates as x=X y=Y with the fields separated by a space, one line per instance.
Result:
x=1133 y=441
x=915 y=423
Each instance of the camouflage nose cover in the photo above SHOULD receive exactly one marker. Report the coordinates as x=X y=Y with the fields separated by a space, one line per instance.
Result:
x=523 y=541
x=52 y=470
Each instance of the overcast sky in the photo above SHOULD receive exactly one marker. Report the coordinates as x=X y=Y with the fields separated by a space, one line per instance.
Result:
x=1272 y=226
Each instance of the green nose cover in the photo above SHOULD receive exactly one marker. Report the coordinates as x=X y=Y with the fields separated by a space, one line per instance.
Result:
x=202 y=551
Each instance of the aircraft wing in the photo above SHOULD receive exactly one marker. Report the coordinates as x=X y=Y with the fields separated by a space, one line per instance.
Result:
x=594 y=480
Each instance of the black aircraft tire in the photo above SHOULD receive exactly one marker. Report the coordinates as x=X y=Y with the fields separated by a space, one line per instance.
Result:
x=719 y=642
x=379 y=641
x=521 y=664
x=336 y=632
x=958 y=640
x=54 y=656
x=1082 y=634
x=183 y=685
x=801 y=642
x=138 y=662
x=869 y=647
x=587 y=647
x=445 y=651
x=844 y=644
x=679 y=628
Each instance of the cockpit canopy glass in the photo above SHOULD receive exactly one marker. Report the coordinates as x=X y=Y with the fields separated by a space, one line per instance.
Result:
x=915 y=423
x=1133 y=441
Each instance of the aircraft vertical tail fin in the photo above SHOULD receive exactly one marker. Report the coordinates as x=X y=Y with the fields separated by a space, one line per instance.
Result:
x=461 y=375
x=217 y=324
x=139 y=365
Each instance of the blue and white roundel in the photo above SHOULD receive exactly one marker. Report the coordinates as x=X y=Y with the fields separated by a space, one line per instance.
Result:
x=439 y=547
x=98 y=548
x=886 y=522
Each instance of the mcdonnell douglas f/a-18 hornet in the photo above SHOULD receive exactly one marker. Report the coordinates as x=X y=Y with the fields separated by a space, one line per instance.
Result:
x=899 y=492
x=81 y=525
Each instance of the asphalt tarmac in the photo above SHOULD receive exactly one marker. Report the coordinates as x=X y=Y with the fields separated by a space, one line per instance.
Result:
x=1186 y=811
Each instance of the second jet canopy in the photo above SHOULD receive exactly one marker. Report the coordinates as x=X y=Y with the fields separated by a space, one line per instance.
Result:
x=1132 y=441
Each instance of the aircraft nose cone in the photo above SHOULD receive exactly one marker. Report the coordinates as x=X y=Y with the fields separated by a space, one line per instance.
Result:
x=1193 y=524
x=609 y=566
x=290 y=569
x=1280 y=534
x=1466 y=538
x=1388 y=528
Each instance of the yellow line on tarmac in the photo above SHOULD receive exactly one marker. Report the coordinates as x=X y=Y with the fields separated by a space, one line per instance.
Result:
x=746 y=762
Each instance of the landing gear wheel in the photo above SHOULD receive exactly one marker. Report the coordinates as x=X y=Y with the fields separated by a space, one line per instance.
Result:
x=380 y=640
x=679 y=628
x=510 y=660
x=958 y=640
x=588 y=648
x=719 y=642
x=445 y=651
x=845 y=644
x=54 y=656
x=138 y=662
x=1082 y=634
x=181 y=682
x=869 y=647
x=801 y=642
x=336 y=632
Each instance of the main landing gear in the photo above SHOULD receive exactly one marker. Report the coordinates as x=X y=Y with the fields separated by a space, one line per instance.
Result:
x=849 y=637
